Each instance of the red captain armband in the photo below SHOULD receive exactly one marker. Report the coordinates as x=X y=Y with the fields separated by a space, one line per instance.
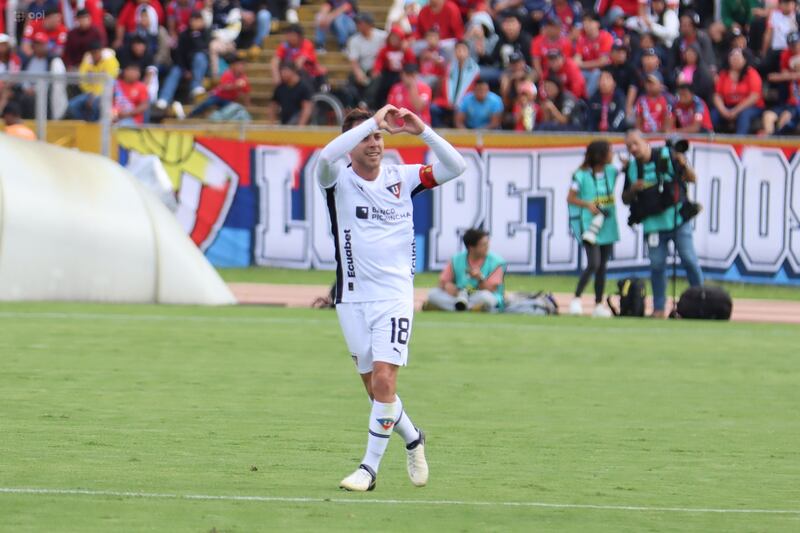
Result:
x=426 y=177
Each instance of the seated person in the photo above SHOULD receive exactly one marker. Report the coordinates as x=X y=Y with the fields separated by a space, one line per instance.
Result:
x=473 y=279
x=291 y=102
x=480 y=109
x=233 y=87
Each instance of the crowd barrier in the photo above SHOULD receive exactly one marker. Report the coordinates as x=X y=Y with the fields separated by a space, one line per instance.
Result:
x=248 y=197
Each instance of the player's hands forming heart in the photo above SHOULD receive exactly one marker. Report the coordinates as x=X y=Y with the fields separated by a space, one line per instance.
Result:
x=386 y=117
x=409 y=122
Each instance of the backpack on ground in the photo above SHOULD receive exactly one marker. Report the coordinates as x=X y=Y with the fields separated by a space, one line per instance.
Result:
x=632 y=293
x=706 y=302
x=532 y=303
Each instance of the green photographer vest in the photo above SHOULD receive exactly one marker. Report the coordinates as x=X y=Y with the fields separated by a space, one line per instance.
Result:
x=596 y=190
x=464 y=281
x=670 y=218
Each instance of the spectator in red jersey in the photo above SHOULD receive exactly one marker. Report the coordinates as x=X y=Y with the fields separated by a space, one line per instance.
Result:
x=565 y=69
x=738 y=99
x=525 y=111
x=628 y=7
x=233 y=87
x=389 y=63
x=653 y=108
x=9 y=62
x=568 y=13
x=784 y=119
x=649 y=64
x=690 y=113
x=443 y=15
x=131 y=100
x=51 y=26
x=69 y=14
x=460 y=79
x=469 y=7
x=607 y=107
x=135 y=51
x=593 y=51
x=127 y=19
x=432 y=62
x=549 y=39
x=79 y=39
x=300 y=51
x=412 y=93
x=178 y=13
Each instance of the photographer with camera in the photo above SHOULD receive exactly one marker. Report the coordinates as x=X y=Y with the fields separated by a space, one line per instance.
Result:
x=593 y=220
x=655 y=189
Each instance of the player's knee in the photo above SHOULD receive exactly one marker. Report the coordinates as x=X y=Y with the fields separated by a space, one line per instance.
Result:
x=383 y=384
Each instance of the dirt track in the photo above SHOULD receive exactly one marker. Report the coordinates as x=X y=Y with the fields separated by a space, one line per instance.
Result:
x=744 y=310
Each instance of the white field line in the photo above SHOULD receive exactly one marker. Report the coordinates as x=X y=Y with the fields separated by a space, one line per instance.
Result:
x=356 y=500
x=425 y=324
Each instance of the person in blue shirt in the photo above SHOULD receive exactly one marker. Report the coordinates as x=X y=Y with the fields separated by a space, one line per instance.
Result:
x=480 y=109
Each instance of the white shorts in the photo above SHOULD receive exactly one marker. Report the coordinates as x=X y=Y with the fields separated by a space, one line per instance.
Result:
x=377 y=331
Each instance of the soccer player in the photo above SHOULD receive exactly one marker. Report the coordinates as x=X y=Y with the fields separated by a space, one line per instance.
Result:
x=372 y=223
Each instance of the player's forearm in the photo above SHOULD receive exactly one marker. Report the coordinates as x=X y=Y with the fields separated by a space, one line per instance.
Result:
x=339 y=147
x=450 y=163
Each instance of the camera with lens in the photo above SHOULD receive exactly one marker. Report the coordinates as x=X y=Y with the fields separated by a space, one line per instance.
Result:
x=589 y=236
x=678 y=145
x=655 y=200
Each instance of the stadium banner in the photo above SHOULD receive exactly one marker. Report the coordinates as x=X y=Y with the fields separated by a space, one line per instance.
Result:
x=254 y=202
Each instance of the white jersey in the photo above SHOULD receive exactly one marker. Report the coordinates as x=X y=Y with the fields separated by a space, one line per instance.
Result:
x=373 y=230
x=373 y=221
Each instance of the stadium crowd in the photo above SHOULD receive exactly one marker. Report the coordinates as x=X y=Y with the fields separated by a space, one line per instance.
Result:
x=524 y=65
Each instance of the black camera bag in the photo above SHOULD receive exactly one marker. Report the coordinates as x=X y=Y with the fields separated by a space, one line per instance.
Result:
x=706 y=302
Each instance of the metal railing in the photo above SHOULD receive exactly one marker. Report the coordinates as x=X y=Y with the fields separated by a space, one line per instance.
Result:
x=43 y=82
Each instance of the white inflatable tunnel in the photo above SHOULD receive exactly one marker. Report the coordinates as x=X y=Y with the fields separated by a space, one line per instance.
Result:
x=77 y=226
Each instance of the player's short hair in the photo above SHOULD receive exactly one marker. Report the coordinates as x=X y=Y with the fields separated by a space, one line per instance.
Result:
x=355 y=117
x=473 y=236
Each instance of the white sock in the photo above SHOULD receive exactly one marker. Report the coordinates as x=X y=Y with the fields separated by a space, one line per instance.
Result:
x=404 y=426
x=381 y=424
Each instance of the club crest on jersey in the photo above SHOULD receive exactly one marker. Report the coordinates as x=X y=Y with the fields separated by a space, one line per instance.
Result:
x=386 y=423
x=394 y=189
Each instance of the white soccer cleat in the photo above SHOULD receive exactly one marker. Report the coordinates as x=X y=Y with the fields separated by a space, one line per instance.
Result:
x=161 y=104
x=362 y=480
x=576 y=307
x=291 y=16
x=415 y=461
x=601 y=311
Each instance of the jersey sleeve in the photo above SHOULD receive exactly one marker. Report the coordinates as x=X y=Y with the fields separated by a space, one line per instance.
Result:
x=450 y=163
x=332 y=157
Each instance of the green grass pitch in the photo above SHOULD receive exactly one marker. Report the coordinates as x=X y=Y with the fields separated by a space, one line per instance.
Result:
x=649 y=422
